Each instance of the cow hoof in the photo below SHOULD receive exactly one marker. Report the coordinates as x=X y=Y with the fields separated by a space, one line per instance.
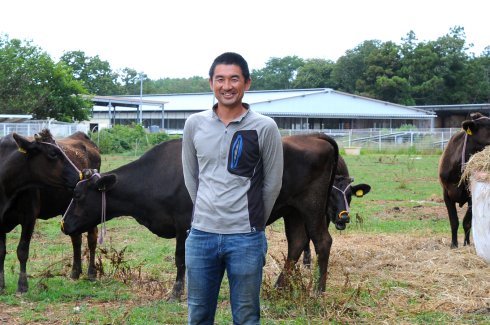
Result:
x=453 y=246
x=21 y=290
x=75 y=275
x=92 y=276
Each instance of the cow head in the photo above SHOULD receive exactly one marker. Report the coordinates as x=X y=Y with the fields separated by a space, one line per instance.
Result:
x=478 y=130
x=45 y=162
x=86 y=209
x=340 y=198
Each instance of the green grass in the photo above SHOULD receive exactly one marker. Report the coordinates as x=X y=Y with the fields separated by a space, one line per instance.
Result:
x=139 y=267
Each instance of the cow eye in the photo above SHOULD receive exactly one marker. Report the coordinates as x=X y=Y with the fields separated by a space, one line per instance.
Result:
x=77 y=194
x=53 y=154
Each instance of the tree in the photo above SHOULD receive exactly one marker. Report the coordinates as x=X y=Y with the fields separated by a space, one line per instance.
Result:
x=350 y=68
x=31 y=83
x=279 y=73
x=96 y=74
x=315 y=73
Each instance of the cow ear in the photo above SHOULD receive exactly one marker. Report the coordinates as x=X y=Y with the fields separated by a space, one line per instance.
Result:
x=23 y=143
x=106 y=182
x=361 y=189
x=469 y=127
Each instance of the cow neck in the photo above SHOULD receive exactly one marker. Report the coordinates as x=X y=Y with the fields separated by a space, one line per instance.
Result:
x=463 y=152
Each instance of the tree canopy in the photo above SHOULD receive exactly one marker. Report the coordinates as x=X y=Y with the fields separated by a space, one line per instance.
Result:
x=436 y=72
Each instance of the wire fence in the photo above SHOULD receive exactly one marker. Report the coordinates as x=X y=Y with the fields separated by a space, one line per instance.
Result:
x=58 y=129
x=430 y=140
x=424 y=140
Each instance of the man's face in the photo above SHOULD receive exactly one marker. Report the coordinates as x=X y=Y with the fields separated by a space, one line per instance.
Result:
x=229 y=85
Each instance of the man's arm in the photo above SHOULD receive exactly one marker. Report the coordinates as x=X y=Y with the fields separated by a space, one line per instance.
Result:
x=189 y=160
x=272 y=155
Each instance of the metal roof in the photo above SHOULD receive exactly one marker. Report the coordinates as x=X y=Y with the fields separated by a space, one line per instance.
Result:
x=14 y=118
x=322 y=102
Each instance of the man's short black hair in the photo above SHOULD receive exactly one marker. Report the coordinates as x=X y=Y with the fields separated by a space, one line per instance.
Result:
x=231 y=58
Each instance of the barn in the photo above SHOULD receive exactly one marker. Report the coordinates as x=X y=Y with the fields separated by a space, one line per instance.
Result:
x=294 y=109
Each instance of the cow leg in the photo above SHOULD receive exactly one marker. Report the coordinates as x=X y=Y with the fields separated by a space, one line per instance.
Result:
x=453 y=219
x=3 y=253
x=92 y=246
x=307 y=255
x=297 y=239
x=467 y=224
x=23 y=252
x=317 y=230
x=179 y=284
x=76 y=270
x=323 y=245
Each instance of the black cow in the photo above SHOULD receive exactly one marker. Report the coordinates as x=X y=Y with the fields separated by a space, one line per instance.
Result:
x=472 y=139
x=33 y=179
x=151 y=189
x=338 y=210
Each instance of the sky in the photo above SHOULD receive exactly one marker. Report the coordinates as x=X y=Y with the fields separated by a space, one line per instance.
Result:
x=181 y=38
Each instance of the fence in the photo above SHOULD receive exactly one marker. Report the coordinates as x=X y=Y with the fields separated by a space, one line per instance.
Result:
x=388 y=139
x=58 y=129
x=371 y=139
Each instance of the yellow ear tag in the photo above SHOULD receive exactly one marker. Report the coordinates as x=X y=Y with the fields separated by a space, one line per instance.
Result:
x=359 y=193
x=80 y=175
x=468 y=131
x=22 y=150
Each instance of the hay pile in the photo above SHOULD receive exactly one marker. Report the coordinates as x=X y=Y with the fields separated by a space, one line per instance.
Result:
x=478 y=167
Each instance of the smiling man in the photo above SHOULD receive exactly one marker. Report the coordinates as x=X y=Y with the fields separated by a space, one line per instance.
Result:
x=233 y=164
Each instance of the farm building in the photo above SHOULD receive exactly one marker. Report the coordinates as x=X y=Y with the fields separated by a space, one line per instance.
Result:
x=302 y=109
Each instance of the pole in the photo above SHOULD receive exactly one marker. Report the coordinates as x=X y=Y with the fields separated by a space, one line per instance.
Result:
x=140 y=111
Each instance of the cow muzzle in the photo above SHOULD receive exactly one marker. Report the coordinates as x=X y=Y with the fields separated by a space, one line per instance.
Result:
x=342 y=219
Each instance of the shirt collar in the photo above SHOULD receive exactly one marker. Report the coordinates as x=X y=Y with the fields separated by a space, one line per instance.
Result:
x=239 y=118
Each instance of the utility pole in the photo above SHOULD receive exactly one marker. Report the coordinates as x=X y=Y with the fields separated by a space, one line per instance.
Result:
x=140 y=110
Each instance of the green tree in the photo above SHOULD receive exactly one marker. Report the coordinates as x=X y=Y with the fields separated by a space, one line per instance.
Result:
x=350 y=69
x=31 y=83
x=129 y=80
x=279 y=73
x=96 y=74
x=437 y=70
x=315 y=73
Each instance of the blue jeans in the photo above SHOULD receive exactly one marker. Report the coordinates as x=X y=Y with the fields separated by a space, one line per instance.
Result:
x=207 y=256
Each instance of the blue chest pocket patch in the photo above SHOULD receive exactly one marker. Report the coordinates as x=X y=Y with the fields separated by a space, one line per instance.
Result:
x=244 y=153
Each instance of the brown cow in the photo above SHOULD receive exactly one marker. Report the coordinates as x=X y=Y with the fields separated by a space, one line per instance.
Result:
x=472 y=139
x=338 y=209
x=33 y=174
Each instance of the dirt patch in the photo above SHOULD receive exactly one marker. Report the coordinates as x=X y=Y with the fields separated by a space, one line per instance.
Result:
x=403 y=273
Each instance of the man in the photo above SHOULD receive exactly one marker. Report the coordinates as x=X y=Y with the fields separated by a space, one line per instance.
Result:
x=233 y=163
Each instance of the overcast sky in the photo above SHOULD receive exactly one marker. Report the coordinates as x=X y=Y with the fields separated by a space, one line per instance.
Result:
x=180 y=38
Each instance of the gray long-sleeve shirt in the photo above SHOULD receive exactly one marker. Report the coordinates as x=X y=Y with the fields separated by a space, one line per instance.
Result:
x=233 y=173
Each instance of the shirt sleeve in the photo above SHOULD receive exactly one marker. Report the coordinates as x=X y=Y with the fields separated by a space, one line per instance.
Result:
x=272 y=155
x=189 y=160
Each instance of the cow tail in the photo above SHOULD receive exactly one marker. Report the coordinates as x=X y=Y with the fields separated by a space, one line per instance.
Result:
x=334 y=169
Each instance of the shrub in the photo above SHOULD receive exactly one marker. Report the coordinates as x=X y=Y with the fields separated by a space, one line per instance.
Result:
x=126 y=138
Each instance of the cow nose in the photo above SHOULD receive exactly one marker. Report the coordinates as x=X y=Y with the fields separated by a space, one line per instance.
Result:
x=343 y=217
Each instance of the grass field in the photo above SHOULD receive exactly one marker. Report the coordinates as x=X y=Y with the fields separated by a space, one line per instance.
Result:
x=393 y=265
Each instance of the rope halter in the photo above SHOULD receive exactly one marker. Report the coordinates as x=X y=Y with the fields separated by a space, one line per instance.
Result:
x=347 y=208
x=55 y=144
x=103 y=212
